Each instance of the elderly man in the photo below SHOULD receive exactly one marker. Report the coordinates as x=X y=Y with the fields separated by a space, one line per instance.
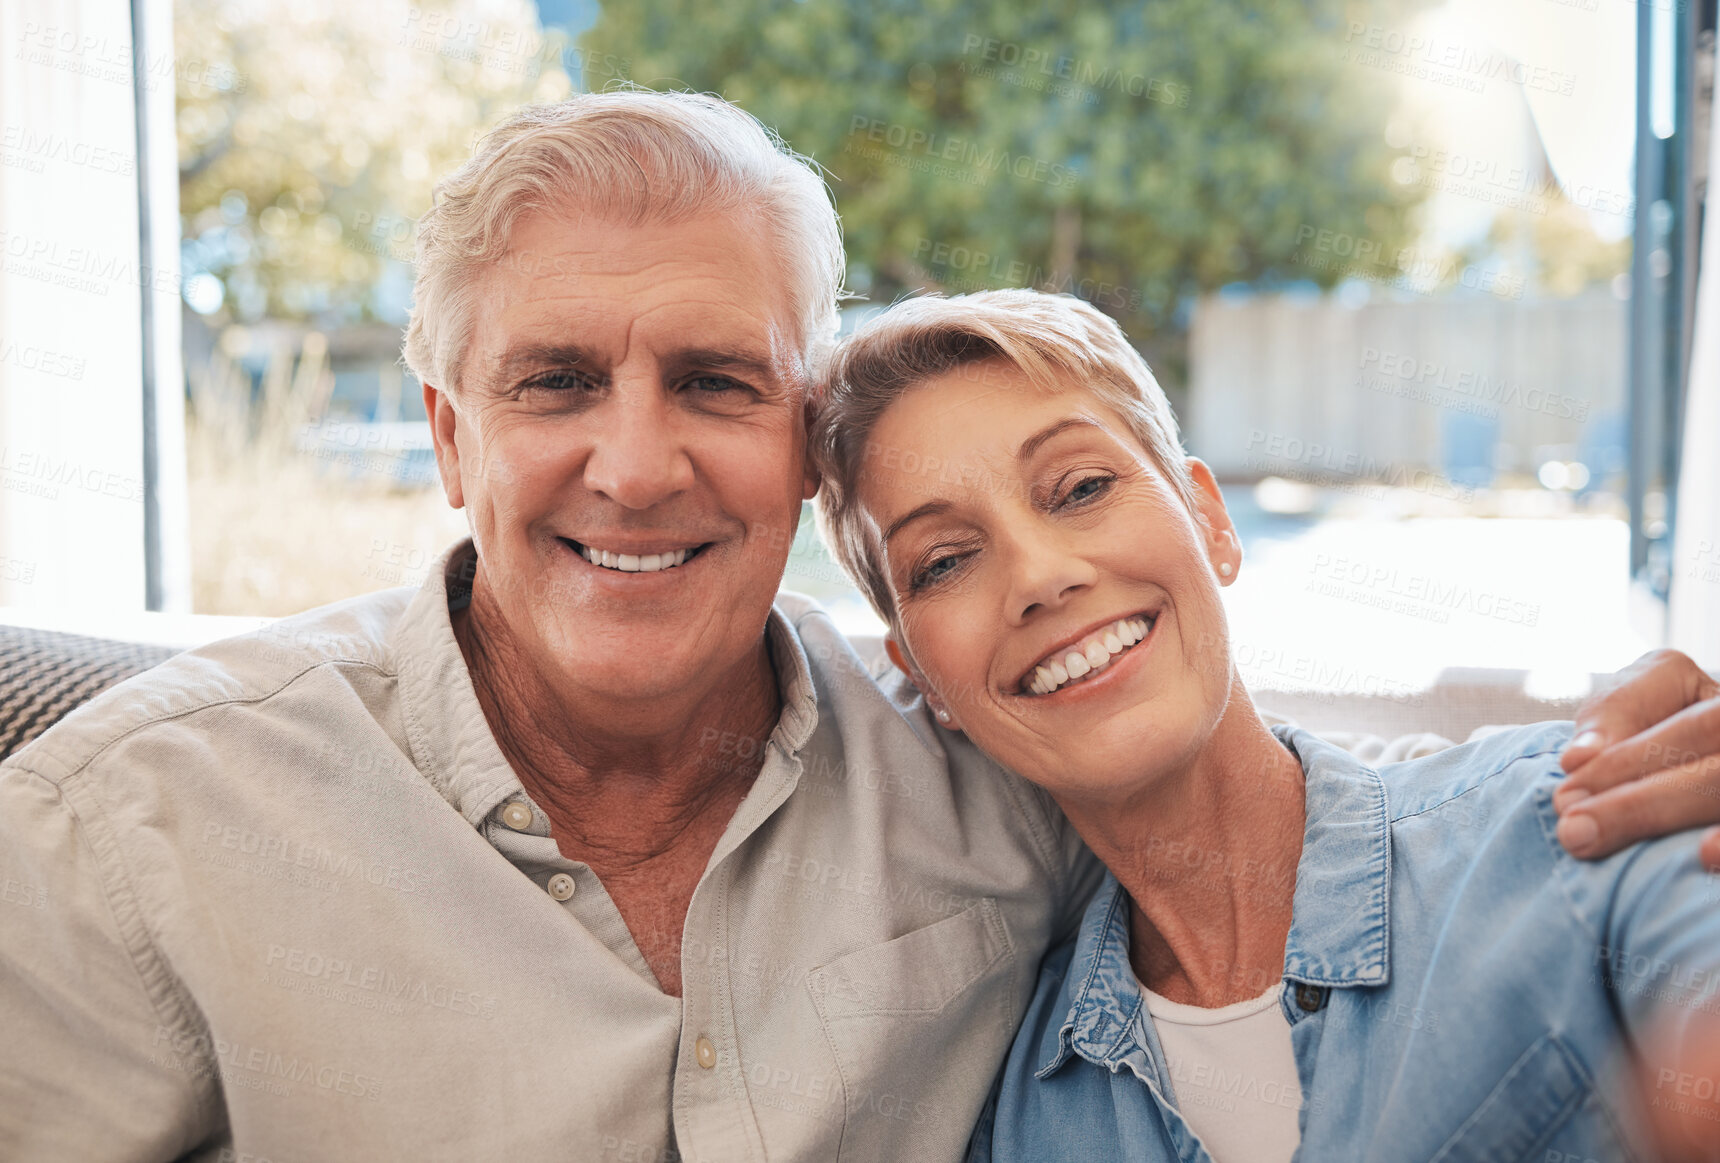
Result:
x=594 y=847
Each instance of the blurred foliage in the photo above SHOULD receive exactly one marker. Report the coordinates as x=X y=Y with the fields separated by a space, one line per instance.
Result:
x=1560 y=253
x=1171 y=146
x=1134 y=153
x=312 y=131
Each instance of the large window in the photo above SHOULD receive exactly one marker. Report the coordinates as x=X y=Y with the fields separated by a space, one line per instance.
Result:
x=1379 y=253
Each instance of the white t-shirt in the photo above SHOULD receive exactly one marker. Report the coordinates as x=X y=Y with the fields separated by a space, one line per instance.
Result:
x=1233 y=1075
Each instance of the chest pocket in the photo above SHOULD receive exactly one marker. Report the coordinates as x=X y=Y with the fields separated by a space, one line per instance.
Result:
x=898 y=1014
x=1537 y=1096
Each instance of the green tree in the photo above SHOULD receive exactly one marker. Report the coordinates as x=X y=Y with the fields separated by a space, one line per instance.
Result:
x=310 y=136
x=1134 y=152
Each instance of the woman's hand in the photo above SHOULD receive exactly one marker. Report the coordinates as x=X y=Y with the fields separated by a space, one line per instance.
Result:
x=1644 y=760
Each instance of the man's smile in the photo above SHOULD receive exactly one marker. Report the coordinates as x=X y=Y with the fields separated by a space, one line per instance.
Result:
x=635 y=558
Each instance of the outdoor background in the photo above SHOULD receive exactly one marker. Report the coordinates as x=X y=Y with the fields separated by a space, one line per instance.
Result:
x=1377 y=253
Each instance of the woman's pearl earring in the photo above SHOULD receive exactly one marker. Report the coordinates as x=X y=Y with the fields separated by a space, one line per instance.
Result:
x=943 y=716
x=1224 y=569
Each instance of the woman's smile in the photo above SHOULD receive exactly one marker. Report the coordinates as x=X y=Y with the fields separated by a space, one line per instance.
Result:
x=1081 y=660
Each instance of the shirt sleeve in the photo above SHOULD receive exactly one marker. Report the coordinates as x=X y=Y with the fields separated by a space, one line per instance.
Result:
x=99 y=1062
x=1660 y=950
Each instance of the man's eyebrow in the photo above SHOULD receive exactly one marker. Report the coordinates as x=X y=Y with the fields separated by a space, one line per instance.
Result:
x=538 y=355
x=929 y=509
x=723 y=359
x=1033 y=443
x=528 y=356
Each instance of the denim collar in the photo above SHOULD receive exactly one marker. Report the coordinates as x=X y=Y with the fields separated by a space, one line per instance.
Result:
x=1339 y=922
x=1105 y=999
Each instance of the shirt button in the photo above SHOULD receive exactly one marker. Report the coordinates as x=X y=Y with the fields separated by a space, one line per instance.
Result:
x=705 y=1052
x=517 y=816
x=561 y=886
x=1310 y=998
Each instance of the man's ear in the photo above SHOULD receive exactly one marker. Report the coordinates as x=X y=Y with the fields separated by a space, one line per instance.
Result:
x=944 y=715
x=1223 y=547
x=440 y=410
x=810 y=478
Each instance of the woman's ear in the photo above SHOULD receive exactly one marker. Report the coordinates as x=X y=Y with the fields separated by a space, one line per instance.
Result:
x=903 y=663
x=1223 y=547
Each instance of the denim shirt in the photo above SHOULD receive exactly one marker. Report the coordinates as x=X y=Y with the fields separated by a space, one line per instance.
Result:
x=1457 y=986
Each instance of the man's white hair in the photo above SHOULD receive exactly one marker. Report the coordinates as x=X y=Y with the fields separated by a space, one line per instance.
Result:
x=630 y=155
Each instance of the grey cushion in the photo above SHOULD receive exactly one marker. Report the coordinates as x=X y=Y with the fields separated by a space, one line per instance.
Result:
x=45 y=674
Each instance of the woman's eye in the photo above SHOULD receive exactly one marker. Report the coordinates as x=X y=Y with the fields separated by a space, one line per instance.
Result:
x=1086 y=490
x=936 y=571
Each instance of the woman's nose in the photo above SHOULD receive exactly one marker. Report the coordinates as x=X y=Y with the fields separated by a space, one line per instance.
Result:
x=1045 y=573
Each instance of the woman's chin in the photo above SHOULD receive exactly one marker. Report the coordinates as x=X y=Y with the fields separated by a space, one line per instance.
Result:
x=1117 y=760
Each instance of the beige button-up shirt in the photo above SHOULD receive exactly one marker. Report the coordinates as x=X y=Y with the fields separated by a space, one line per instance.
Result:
x=282 y=898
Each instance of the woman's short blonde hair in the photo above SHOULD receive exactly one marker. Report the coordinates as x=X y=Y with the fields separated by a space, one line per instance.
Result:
x=1056 y=341
x=631 y=154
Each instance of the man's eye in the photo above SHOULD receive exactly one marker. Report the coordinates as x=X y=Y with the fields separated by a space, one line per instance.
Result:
x=561 y=381
x=714 y=384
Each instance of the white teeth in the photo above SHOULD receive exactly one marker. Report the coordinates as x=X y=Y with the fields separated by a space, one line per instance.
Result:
x=1085 y=658
x=635 y=563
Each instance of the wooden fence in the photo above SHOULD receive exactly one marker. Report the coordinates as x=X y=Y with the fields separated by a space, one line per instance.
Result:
x=1473 y=389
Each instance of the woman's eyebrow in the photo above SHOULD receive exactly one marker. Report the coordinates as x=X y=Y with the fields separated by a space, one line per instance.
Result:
x=1033 y=443
x=929 y=509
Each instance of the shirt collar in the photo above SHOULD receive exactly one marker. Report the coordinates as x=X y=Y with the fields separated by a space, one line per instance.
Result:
x=1340 y=928
x=1104 y=998
x=451 y=740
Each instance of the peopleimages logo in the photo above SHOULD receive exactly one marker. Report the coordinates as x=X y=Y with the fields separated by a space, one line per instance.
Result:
x=942 y=147
x=1037 y=69
x=970 y=269
x=57 y=147
x=1407 y=369
x=1449 y=62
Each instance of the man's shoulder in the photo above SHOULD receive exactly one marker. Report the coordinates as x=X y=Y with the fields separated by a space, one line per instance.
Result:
x=861 y=691
x=246 y=670
x=852 y=672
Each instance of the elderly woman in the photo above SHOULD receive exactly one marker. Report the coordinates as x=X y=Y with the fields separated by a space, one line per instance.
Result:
x=1291 y=949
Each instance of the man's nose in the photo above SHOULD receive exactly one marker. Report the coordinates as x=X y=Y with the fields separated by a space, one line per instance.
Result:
x=640 y=456
x=1045 y=573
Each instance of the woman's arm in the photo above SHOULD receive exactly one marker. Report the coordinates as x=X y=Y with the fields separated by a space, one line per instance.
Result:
x=1644 y=760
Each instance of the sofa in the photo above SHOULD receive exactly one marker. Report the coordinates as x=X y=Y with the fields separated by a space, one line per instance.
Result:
x=45 y=674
